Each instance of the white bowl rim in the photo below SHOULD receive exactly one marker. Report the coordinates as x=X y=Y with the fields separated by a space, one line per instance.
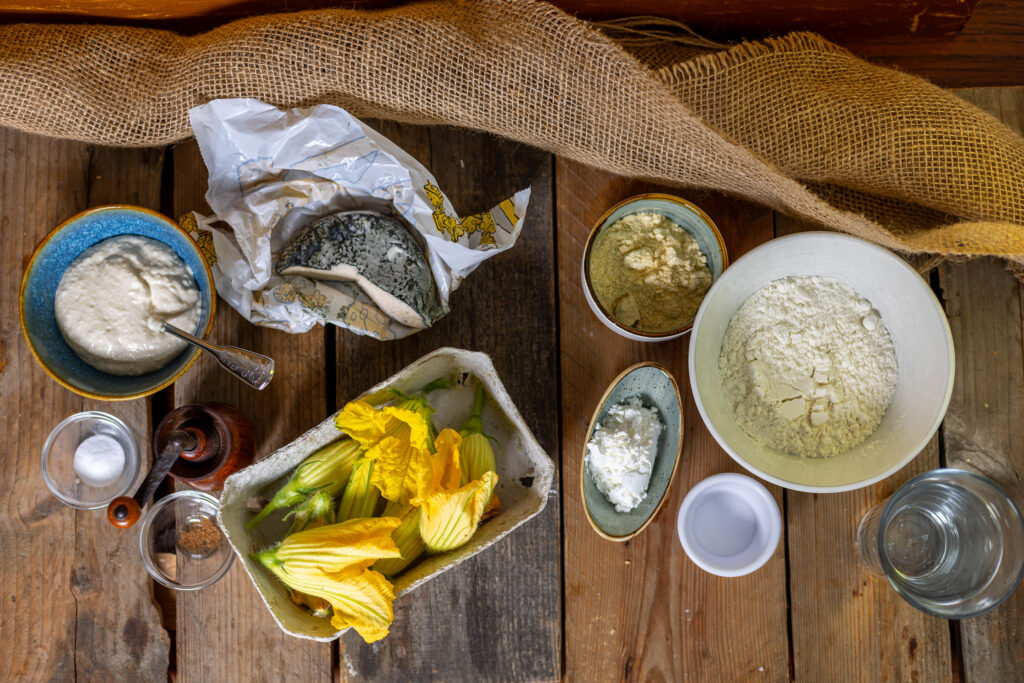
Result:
x=911 y=454
x=737 y=484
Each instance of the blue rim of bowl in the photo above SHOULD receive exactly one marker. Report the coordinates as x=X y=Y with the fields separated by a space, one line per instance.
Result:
x=98 y=415
x=597 y=228
x=24 y=282
x=147 y=521
x=590 y=429
x=692 y=369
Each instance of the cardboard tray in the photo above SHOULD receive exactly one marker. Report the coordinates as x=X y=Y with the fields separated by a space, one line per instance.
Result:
x=525 y=474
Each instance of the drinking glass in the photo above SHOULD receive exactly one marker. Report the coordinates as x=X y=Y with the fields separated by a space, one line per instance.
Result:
x=950 y=542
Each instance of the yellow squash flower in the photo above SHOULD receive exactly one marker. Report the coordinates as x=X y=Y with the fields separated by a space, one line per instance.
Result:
x=327 y=469
x=451 y=513
x=450 y=518
x=331 y=562
x=397 y=439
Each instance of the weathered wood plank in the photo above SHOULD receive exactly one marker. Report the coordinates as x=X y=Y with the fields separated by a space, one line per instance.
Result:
x=641 y=610
x=225 y=631
x=78 y=602
x=123 y=638
x=849 y=624
x=497 y=616
x=983 y=431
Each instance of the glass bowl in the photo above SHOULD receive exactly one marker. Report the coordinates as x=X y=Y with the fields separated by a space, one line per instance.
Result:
x=59 y=456
x=181 y=544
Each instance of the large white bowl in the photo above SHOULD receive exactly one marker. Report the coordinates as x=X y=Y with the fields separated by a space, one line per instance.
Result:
x=920 y=335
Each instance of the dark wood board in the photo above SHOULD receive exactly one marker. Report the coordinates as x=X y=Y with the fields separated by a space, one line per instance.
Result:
x=847 y=623
x=916 y=36
x=641 y=610
x=497 y=616
x=905 y=18
x=225 y=632
x=77 y=601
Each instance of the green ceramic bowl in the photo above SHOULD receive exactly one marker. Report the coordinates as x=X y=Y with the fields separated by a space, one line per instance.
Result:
x=656 y=388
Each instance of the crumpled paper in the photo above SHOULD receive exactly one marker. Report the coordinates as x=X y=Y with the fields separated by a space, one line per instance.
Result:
x=274 y=172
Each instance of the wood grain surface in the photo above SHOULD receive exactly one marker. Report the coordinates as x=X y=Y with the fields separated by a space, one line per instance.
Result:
x=225 y=632
x=640 y=610
x=983 y=430
x=905 y=18
x=76 y=600
x=497 y=616
x=916 y=36
x=76 y=603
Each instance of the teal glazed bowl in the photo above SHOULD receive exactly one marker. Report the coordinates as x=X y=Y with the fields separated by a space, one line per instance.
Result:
x=687 y=216
x=656 y=388
x=39 y=286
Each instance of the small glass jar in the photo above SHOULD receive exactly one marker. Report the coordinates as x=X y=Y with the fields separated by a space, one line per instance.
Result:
x=59 y=460
x=181 y=544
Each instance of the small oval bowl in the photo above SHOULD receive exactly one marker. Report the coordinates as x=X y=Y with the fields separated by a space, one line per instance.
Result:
x=656 y=388
x=920 y=336
x=681 y=212
x=39 y=286
x=165 y=559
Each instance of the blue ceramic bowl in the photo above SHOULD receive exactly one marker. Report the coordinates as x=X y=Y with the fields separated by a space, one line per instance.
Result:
x=656 y=388
x=39 y=286
x=687 y=216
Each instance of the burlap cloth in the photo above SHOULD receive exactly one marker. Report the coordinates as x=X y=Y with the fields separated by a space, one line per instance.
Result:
x=795 y=123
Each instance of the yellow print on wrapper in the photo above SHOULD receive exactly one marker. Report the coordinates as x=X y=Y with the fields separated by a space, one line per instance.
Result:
x=313 y=300
x=358 y=315
x=481 y=222
x=202 y=238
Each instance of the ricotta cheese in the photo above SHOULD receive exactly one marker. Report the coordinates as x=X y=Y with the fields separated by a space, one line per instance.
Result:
x=113 y=300
x=621 y=453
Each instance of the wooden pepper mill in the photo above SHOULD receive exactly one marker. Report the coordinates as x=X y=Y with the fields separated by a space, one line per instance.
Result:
x=200 y=445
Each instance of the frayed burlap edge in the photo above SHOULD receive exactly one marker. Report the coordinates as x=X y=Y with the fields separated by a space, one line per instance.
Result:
x=529 y=72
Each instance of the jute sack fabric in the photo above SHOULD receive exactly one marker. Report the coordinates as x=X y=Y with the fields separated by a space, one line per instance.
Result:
x=795 y=123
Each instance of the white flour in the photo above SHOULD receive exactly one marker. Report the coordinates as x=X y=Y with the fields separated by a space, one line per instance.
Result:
x=807 y=366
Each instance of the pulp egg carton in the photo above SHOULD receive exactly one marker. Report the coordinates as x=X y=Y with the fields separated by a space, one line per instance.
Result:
x=525 y=474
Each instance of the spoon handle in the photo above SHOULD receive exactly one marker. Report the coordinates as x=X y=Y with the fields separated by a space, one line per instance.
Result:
x=254 y=369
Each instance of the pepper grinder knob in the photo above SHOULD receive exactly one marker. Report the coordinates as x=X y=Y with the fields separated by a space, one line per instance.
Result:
x=123 y=512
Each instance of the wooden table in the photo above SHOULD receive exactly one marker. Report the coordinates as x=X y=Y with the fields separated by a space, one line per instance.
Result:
x=552 y=599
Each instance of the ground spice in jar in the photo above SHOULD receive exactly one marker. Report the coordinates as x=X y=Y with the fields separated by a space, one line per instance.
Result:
x=648 y=273
x=199 y=537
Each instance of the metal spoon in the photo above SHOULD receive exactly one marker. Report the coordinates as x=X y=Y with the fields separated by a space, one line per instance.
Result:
x=254 y=369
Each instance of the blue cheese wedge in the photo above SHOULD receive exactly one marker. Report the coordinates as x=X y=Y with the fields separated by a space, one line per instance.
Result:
x=375 y=251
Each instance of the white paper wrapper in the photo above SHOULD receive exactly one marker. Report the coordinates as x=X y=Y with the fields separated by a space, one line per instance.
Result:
x=273 y=172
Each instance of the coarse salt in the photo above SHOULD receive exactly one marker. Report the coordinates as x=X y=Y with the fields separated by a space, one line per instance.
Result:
x=99 y=460
x=621 y=453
